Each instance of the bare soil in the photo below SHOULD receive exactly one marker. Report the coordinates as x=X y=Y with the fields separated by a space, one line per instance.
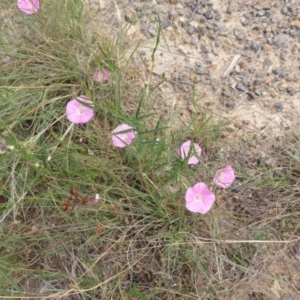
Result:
x=231 y=52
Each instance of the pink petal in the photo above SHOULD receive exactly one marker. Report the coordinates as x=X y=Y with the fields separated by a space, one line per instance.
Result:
x=224 y=177
x=122 y=139
x=101 y=76
x=132 y=134
x=73 y=107
x=203 y=205
x=105 y=75
x=28 y=6
x=190 y=195
x=97 y=76
x=193 y=160
x=7 y=59
x=185 y=150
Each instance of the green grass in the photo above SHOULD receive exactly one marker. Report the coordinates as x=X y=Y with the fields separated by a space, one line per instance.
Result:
x=138 y=242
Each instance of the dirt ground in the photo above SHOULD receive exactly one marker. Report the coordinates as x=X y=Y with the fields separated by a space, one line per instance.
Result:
x=242 y=57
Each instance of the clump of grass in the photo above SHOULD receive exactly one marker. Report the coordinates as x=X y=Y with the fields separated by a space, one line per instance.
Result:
x=138 y=241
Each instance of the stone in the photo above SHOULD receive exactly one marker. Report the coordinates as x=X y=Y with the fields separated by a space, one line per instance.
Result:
x=182 y=49
x=194 y=41
x=278 y=106
x=240 y=86
x=230 y=105
x=260 y=13
x=282 y=87
x=165 y=23
x=200 y=70
x=215 y=87
x=190 y=29
x=258 y=82
x=208 y=15
x=227 y=93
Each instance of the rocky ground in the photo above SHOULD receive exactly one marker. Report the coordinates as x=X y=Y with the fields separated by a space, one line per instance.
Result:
x=242 y=56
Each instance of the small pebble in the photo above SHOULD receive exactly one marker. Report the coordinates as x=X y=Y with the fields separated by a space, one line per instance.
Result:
x=257 y=93
x=218 y=17
x=165 y=23
x=283 y=56
x=260 y=13
x=231 y=81
x=190 y=29
x=282 y=87
x=258 y=82
x=270 y=40
x=251 y=70
x=237 y=69
x=267 y=63
x=251 y=96
x=226 y=93
x=238 y=34
x=172 y=14
x=278 y=106
x=256 y=45
x=218 y=42
x=230 y=105
x=194 y=41
x=240 y=86
x=156 y=10
x=229 y=10
x=284 y=10
x=237 y=187
x=200 y=70
x=215 y=87
x=208 y=15
x=152 y=32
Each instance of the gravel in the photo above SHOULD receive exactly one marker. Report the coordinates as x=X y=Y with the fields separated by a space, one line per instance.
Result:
x=265 y=35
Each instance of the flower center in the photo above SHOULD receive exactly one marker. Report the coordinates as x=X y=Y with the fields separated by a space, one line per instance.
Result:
x=30 y=6
x=198 y=198
x=124 y=137
x=221 y=175
x=81 y=110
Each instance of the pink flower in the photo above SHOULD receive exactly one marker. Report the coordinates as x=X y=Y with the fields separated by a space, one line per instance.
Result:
x=28 y=6
x=186 y=150
x=96 y=199
x=123 y=135
x=224 y=177
x=7 y=59
x=3 y=147
x=199 y=199
x=101 y=76
x=79 y=113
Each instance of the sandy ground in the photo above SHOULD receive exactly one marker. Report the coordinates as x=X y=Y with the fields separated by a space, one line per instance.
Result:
x=229 y=51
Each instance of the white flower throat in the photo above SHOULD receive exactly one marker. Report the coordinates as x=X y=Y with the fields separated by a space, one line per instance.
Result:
x=198 y=198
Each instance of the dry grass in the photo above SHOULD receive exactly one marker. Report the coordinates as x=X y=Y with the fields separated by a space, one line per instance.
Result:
x=138 y=242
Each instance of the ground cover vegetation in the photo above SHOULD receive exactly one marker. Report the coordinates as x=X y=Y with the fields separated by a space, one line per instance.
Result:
x=101 y=198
